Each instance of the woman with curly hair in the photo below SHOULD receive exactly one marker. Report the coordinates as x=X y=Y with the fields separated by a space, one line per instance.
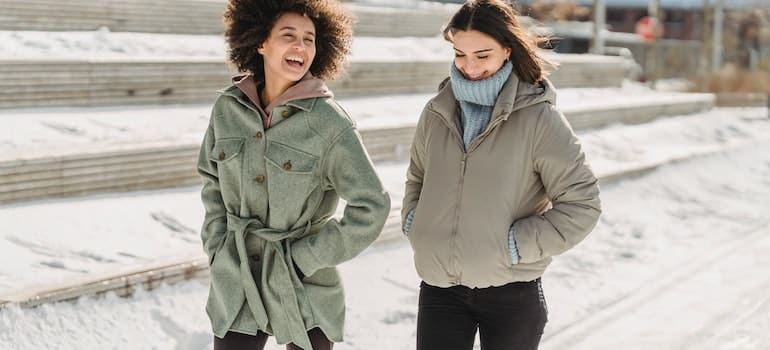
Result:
x=278 y=154
x=496 y=186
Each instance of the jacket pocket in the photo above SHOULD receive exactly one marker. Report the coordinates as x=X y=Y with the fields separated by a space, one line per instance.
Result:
x=409 y=231
x=325 y=277
x=227 y=153
x=406 y=223
x=290 y=180
x=289 y=159
x=226 y=149
x=222 y=242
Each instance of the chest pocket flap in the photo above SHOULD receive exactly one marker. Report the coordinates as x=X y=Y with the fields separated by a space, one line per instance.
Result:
x=226 y=149
x=290 y=159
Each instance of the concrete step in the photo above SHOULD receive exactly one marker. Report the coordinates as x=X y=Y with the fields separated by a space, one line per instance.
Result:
x=104 y=82
x=193 y=17
x=136 y=168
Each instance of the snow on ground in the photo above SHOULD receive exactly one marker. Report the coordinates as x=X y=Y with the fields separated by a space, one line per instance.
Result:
x=105 y=44
x=651 y=227
x=56 y=131
x=652 y=230
x=53 y=240
x=645 y=234
x=620 y=146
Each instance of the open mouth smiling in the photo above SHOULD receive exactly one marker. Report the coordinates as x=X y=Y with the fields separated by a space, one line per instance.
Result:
x=295 y=61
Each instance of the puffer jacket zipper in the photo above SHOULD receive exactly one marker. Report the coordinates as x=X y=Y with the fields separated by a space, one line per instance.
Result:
x=455 y=274
x=453 y=259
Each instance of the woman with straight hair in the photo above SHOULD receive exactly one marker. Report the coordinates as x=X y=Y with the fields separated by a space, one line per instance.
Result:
x=497 y=185
x=278 y=154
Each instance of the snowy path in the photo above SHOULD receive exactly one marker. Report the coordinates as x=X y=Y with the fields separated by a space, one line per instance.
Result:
x=677 y=250
x=694 y=306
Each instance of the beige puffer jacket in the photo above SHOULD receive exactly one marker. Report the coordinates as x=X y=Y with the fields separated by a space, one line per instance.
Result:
x=526 y=168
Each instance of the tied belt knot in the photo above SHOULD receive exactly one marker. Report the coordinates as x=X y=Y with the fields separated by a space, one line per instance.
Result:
x=279 y=281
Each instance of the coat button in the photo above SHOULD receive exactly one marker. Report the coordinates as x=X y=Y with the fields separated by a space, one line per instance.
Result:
x=260 y=178
x=222 y=155
x=285 y=113
x=258 y=135
x=287 y=166
x=255 y=258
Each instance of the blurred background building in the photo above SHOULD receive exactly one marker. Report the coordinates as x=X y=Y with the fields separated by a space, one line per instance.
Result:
x=688 y=47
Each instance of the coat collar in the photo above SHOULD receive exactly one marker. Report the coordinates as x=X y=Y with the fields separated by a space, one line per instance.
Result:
x=306 y=104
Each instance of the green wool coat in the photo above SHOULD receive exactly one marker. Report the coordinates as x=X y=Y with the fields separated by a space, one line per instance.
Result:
x=269 y=196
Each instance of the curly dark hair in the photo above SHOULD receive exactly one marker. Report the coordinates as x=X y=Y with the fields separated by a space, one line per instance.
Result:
x=248 y=24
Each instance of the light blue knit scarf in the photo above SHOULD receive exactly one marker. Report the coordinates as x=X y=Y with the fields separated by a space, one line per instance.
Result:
x=477 y=99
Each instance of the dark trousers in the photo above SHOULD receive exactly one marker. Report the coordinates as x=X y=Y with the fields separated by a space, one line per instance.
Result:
x=509 y=317
x=239 y=341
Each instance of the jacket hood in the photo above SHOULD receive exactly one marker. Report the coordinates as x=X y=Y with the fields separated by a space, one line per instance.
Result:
x=515 y=95
x=307 y=87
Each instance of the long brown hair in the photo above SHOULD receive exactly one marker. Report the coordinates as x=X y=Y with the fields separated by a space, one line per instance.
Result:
x=248 y=24
x=497 y=18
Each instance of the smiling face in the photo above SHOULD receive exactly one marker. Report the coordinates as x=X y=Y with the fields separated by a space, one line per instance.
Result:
x=289 y=50
x=477 y=55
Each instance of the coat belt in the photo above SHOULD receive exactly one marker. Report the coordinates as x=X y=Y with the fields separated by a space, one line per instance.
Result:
x=279 y=278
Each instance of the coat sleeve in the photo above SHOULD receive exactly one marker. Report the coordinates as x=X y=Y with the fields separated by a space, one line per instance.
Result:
x=350 y=172
x=571 y=186
x=215 y=218
x=414 y=173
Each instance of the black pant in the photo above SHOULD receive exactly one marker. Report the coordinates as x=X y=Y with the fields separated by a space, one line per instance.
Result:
x=509 y=317
x=239 y=341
